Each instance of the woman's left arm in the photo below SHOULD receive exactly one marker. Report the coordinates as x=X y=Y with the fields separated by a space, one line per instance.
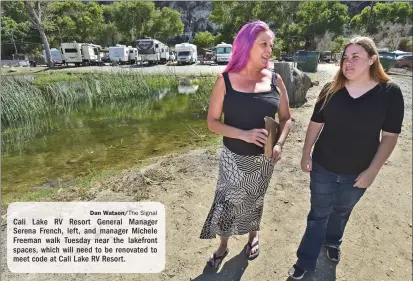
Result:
x=389 y=135
x=284 y=117
x=386 y=147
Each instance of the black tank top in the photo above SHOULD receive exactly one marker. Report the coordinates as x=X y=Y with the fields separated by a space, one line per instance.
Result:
x=247 y=111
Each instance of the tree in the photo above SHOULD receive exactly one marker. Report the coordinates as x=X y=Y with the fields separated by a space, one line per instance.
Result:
x=17 y=28
x=223 y=15
x=15 y=10
x=324 y=43
x=36 y=16
x=204 y=39
x=108 y=35
x=390 y=35
x=338 y=44
x=315 y=18
x=406 y=44
x=165 y=23
x=12 y=31
x=132 y=19
x=66 y=17
x=370 y=19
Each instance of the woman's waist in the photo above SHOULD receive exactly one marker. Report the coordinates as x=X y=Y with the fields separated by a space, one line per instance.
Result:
x=241 y=147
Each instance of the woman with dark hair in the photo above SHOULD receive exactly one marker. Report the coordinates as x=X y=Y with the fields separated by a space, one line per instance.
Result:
x=359 y=115
x=246 y=92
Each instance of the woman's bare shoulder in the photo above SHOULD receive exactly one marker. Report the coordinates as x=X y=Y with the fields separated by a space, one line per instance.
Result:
x=268 y=73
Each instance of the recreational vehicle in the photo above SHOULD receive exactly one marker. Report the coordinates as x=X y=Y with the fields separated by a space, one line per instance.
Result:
x=81 y=53
x=133 y=55
x=57 y=56
x=91 y=54
x=152 y=50
x=72 y=53
x=186 y=53
x=119 y=54
x=164 y=53
x=222 y=53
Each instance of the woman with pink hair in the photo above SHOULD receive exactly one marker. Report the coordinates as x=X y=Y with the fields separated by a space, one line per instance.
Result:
x=246 y=92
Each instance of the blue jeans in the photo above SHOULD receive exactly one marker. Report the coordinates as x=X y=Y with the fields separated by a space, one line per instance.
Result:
x=333 y=197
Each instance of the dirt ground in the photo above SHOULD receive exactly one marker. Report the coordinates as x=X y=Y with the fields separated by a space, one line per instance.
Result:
x=378 y=240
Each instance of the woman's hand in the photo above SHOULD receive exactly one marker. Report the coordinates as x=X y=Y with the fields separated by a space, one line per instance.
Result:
x=365 y=179
x=255 y=136
x=276 y=153
x=306 y=163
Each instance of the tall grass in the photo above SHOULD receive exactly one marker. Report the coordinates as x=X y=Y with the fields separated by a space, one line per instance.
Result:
x=201 y=97
x=29 y=107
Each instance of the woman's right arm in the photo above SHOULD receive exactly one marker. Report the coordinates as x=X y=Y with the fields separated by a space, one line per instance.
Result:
x=256 y=136
x=313 y=131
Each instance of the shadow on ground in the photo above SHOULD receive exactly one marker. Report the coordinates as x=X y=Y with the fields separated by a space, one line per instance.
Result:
x=326 y=270
x=230 y=270
x=233 y=269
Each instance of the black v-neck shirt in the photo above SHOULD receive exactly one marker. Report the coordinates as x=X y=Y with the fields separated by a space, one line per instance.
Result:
x=352 y=127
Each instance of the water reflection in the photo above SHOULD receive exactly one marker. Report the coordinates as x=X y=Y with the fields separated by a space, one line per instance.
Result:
x=182 y=89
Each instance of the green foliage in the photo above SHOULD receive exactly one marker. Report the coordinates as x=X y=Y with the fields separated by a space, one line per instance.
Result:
x=108 y=35
x=406 y=44
x=396 y=12
x=15 y=10
x=55 y=77
x=65 y=21
x=315 y=18
x=294 y=22
x=10 y=26
x=204 y=39
x=278 y=46
x=132 y=18
x=165 y=23
x=338 y=44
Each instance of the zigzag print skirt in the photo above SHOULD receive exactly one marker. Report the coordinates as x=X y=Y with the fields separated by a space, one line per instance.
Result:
x=239 y=196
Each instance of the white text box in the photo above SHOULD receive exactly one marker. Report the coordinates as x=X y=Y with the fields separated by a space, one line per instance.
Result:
x=86 y=237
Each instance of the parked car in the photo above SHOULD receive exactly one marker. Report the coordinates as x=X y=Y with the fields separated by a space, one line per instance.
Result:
x=326 y=56
x=405 y=61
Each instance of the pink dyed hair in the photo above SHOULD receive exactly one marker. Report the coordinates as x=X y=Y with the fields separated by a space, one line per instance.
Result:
x=242 y=45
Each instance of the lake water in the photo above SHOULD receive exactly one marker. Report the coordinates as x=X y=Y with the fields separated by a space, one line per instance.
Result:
x=112 y=136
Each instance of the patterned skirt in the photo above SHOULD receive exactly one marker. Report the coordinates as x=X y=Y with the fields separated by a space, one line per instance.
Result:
x=239 y=197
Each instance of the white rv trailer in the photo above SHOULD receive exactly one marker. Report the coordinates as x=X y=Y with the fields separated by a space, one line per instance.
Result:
x=150 y=50
x=81 y=53
x=72 y=53
x=164 y=49
x=222 y=53
x=57 y=56
x=186 y=53
x=91 y=54
x=133 y=55
x=119 y=54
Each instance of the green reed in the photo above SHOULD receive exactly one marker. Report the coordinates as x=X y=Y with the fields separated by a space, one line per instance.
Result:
x=29 y=107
